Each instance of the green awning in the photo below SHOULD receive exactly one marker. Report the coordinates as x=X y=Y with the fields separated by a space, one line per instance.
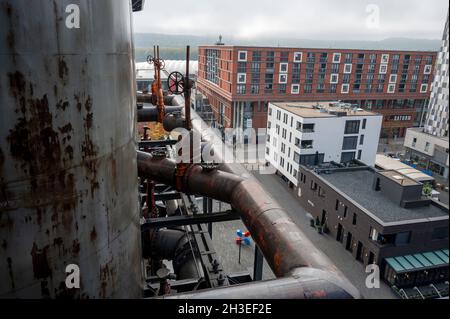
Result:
x=409 y=263
x=443 y=256
x=394 y=264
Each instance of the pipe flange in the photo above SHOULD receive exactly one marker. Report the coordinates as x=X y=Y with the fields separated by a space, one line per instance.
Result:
x=209 y=166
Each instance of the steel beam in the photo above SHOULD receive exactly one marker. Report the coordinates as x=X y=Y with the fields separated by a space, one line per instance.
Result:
x=167 y=196
x=258 y=264
x=157 y=143
x=189 y=220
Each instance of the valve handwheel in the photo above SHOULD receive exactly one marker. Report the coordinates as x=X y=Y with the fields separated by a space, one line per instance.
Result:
x=175 y=83
x=152 y=60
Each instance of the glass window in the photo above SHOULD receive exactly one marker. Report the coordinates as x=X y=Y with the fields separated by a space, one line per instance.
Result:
x=350 y=142
x=242 y=78
x=256 y=56
x=298 y=56
x=347 y=157
x=297 y=157
x=352 y=127
x=345 y=88
x=240 y=89
x=336 y=57
x=283 y=67
x=402 y=238
x=242 y=67
x=348 y=57
x=242 y=56
x=284 y=57
x=347 y=68
x=311 y=57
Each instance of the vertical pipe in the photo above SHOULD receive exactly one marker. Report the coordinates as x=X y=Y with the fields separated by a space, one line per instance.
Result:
x=187 y=92
x=210 y=210
x=160 y=99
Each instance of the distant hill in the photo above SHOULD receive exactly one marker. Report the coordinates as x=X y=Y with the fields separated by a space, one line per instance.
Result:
x=173 y=46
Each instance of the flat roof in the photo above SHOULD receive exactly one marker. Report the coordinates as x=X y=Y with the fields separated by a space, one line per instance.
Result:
x=388 y=163
x=358 y=186
x=421 y=131
x=399 y=178
x=315 y=109
x=318 y=48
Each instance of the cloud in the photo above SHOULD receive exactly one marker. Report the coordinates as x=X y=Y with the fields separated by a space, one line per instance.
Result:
x=318 y=19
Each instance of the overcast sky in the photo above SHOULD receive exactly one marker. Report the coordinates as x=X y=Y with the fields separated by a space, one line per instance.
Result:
x=303 y=19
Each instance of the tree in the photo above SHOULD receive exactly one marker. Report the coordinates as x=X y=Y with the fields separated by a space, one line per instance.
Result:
x=427 y=189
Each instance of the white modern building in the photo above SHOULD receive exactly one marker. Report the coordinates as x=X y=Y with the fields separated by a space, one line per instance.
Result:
x=310 y=133
x=428 y=152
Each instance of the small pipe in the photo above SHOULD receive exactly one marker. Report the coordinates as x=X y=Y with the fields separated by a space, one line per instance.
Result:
x=187 y=92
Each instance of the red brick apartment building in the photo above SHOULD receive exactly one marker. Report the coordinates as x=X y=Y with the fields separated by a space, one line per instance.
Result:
x=240 y=81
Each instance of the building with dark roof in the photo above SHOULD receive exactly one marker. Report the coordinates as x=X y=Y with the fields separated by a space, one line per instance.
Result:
x=380 y=217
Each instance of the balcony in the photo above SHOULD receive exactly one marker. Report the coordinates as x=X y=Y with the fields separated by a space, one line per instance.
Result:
x=306 y=145
x=305 y=128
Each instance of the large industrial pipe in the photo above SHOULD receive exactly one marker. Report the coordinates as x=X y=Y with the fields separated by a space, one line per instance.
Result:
x=305 y=283
x=150 y=113
x=287 y=250
x=173 y=245
x=284 y=246
x=68 y=178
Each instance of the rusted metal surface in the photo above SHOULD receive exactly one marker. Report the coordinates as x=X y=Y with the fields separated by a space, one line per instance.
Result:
x=68 y=180
x=307 y=283
x=159 y=93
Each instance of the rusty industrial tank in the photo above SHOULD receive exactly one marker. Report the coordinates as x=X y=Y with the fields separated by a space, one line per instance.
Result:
x=68 y=176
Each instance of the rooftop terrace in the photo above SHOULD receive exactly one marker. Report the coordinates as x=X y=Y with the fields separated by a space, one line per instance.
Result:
x=323 y=109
